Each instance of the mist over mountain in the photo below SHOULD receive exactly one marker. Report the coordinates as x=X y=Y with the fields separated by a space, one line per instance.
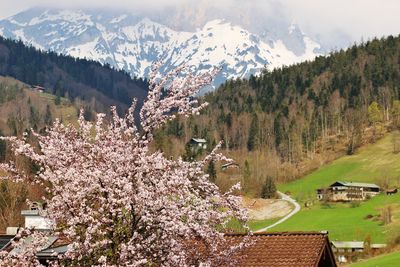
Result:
x=200 y=38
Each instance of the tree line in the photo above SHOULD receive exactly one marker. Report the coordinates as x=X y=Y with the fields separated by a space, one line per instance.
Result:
x=311 y=108
x=70 y=77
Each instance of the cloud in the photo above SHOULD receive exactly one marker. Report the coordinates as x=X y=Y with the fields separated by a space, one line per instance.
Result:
x=329 y=20
x=357 y=18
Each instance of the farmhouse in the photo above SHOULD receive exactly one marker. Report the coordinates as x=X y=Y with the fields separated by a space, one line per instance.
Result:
x=198 y=143
x=348 y=191
x=345 y=250
x=38 y=88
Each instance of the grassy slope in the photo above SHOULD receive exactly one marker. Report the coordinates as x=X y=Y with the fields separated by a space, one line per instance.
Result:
x=388 y=260
x=259 y=224
x=370 y=164
x=66 y=111
x=343 y=221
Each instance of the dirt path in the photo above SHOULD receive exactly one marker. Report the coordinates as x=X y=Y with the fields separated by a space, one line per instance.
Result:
x=293 y=212
x=264 y=209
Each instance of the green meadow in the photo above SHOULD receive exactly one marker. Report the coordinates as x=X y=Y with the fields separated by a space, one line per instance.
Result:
x=259 y=224
x=388 y=260
x=349 y=221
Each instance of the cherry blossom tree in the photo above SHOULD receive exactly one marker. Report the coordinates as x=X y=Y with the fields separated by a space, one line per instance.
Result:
x=118 y=203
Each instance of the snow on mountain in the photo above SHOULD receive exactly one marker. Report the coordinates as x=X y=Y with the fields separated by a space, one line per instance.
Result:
x=132 y=43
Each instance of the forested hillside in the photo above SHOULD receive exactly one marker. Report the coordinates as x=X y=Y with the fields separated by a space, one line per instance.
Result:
x=288 y=121
x=69 y=84
x=69 y=77
x=21 y=109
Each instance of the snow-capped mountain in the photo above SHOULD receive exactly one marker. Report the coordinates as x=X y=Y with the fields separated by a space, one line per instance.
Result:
x=132 y=42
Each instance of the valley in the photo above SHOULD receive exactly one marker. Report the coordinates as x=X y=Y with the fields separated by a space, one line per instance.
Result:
x=309 y=141
x=374 y=163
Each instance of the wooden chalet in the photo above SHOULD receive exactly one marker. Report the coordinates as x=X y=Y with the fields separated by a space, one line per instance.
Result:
x=348 y=191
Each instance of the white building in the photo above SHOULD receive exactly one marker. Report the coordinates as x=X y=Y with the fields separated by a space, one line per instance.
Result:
x=348 y=191
x=34 y=219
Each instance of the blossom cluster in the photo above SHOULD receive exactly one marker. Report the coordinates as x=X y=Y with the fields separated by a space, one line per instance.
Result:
x=120 y=204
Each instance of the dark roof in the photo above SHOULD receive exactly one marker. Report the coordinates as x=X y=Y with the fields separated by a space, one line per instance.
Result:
x=198 y=140
x=52 y=252
x=351 y=184
x=229 y=164
x=280 y=249
x=286 y=249
x=4 y=240
x=354 y=244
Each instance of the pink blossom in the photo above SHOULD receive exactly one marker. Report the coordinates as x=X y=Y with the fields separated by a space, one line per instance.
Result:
x=120 y=204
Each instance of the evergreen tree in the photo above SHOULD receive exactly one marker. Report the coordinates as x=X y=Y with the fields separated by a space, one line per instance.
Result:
x=33 y=117
x=396 y=114
x=88 y=114
x=374 y=115
x=47 y=116
x=211 y=171
x=246 y=175
x=57 y=100
x=59 y=87
x=189 y=154
x=269 y=188
x=80 y=78
x=160 y=140
x=3 y=149
x=251 y=141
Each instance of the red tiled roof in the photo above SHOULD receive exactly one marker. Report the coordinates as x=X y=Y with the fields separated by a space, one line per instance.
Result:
x=286 y=249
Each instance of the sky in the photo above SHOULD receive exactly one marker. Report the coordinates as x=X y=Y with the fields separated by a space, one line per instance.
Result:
x=356 y=19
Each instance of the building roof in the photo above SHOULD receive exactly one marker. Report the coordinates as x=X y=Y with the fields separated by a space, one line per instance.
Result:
x=286 y=249
x=28 y=240
x=52 y=252
x=229 y=164
x=30 y=212
x=199 y=140
x=351 y=184
x=348 y=244
x=280 y=249
x=378 y=245
x=5 y=240
x=354 y=244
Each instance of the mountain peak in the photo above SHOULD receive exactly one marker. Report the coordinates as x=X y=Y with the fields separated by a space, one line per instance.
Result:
x=131 y=42
x=215 y=22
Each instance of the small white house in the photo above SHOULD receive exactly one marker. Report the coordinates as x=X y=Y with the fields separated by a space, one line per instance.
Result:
x=34 y=219
x=198 y=143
